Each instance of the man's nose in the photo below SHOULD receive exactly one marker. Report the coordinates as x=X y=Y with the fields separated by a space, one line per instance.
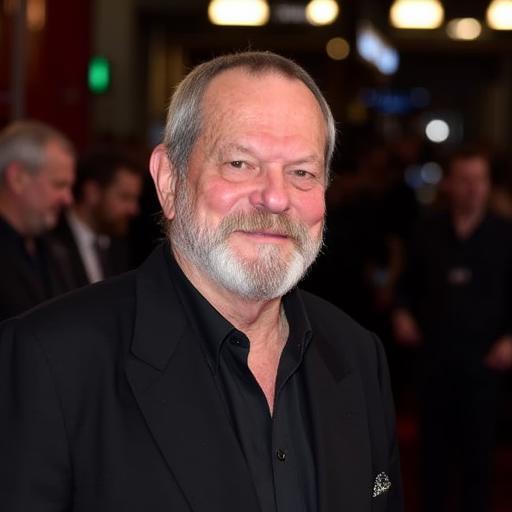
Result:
x=272 y=191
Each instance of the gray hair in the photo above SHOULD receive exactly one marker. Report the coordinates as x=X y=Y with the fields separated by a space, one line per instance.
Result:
x=25 y=142
x=184 y=116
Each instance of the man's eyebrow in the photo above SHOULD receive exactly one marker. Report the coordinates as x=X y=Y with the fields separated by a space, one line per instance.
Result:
x=233 y=147
x=309 y=159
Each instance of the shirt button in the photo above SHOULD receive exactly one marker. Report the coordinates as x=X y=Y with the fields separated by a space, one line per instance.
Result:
x=235 y=341
x=281 y=455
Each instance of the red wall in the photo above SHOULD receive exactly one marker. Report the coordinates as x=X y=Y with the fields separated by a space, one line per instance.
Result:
x=56 y=68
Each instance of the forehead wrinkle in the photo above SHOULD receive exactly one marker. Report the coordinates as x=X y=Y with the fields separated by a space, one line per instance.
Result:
x=218 y=114
x=213 y=125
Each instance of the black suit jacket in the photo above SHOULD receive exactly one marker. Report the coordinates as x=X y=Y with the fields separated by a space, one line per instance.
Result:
x=21 y=288
x=107 y=403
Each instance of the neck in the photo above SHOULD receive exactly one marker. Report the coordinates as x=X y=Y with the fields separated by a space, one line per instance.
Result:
x=85 y=216
x=465 y=222
x=262 y=321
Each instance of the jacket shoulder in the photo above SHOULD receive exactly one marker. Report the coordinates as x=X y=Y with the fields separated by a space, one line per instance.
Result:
x=341 y=332
x=328 y=317
x=80 y=321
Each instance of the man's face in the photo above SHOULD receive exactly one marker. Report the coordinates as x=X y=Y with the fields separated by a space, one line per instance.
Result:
x=250 y=212
x=468 y=184
x=118 y=203
x=48 y=191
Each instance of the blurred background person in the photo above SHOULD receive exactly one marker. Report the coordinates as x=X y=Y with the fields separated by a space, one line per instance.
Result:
x=36 y=176
x=455 y=304
x=93 y=233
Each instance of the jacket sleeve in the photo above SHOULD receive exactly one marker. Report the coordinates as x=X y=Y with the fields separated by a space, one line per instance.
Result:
x=35 y=473
x=395 y=495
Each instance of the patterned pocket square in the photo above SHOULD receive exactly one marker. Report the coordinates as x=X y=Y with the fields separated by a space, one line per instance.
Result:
x=382 y=484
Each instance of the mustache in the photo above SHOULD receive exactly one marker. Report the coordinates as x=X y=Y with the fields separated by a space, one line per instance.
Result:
x=277 y=223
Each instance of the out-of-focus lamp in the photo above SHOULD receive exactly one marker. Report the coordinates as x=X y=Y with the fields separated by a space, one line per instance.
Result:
x=337 y=48
x=322 y=12
x=499 y=14
x=464 y=28
x=419 y=14
x=437 y=130
x=238 y=12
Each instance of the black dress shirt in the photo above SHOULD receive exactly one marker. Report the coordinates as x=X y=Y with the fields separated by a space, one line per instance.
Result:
x=278 y=447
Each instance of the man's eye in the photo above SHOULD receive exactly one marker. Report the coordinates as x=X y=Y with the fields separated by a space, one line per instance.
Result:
x=237 y=164
x=301 y=173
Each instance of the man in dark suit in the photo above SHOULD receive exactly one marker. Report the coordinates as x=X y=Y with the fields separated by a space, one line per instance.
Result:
x=455 y=303
x=36 y=175
x=205 y=380
x=92 y=235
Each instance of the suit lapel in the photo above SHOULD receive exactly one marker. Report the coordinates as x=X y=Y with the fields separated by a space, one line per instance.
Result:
x=340 y=429
x=75 y=263
x=176 y=393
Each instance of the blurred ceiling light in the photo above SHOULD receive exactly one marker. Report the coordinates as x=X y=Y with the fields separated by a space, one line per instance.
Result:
x=437 y=130
x=238 y=12
x=464 y=28
x=499 y=15
x=337 y=48
x=420 y=14
x=322 y=12
x=374 y=49
x=388 y=61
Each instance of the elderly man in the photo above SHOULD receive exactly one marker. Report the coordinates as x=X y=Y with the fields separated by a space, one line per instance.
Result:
x=36 y=175
x=205 y=381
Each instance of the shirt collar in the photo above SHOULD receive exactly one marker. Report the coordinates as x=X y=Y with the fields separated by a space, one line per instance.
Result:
x=84 y=234
x=214 y=329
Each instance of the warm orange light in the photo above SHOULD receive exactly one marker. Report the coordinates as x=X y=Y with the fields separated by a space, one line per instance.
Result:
x=238 y=12
x=337 y=48
x=322 y=12
x=419 y=14
x=464 y=28
x=499 y=15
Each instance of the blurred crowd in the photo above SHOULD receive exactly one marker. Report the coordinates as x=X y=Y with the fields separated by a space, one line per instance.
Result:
x=425 y=264
x=64 y=221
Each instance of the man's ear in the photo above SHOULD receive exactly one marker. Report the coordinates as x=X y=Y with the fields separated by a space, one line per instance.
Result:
x=16 y=177
x=164 y=176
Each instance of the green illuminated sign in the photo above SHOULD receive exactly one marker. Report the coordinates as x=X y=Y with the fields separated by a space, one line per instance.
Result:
x=98 y=77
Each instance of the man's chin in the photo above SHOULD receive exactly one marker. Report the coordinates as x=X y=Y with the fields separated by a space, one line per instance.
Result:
x=45 y=224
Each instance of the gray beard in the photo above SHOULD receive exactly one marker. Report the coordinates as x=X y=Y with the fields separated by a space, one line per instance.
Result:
x=268 y=276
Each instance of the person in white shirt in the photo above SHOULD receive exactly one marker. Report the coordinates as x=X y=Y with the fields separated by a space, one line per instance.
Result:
x=93 y=231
